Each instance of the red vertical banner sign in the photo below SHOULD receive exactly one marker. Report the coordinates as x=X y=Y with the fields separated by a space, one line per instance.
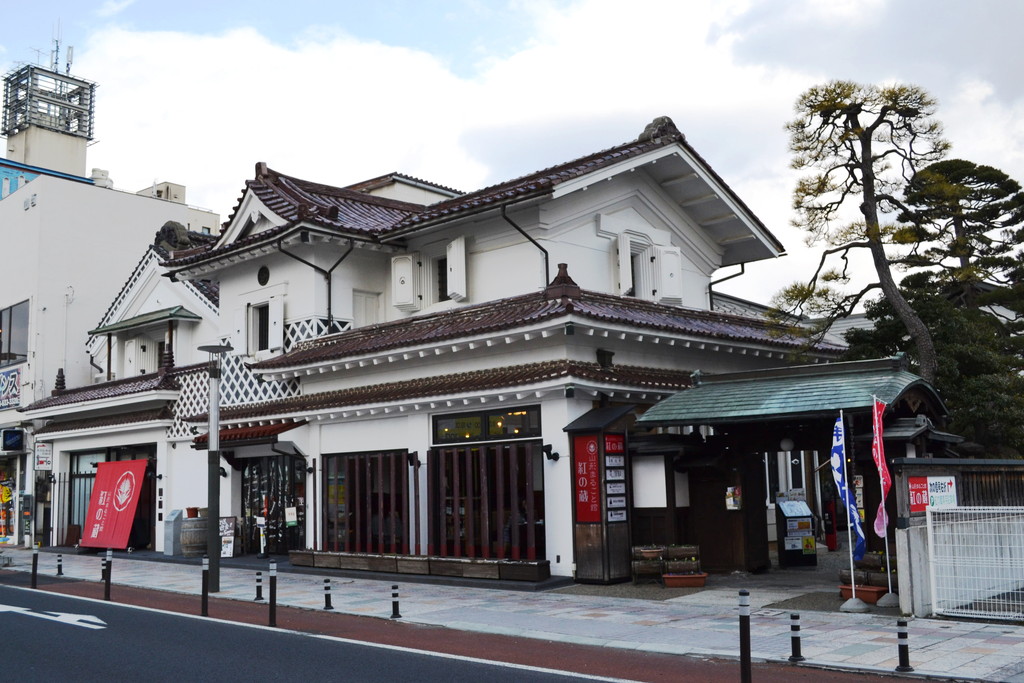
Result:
x=588 y=479
x=115 y=495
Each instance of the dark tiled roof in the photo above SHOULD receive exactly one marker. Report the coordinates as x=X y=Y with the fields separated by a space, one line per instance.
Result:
x=155 y=381
x=357 y=214
x=543 y=181
x=344 y=210
x=210 y=289
x=387 y=178
x=640 y=378
x=107 y=421
x=527 y=309
x=191 y=256
x=339 y=210
x=260 y=432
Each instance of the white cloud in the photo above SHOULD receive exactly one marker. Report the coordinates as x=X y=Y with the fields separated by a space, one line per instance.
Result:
x=113 y=7
x=203 y=109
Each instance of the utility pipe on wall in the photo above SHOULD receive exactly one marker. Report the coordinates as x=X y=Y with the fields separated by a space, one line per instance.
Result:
x=304 y=235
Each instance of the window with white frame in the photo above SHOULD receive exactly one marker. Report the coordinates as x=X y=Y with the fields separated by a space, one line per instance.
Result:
x=259 y=327
x=365 y=308
x=649 y=271
x=259 y=330
x=429 y=278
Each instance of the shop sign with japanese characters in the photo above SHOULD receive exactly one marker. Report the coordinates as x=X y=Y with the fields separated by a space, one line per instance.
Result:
x=932 y=492
x=588 y=479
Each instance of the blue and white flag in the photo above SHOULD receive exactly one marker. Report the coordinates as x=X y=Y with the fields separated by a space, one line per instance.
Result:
x=845 y=495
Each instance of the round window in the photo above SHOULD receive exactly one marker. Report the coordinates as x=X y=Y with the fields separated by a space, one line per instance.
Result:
x=263 y=276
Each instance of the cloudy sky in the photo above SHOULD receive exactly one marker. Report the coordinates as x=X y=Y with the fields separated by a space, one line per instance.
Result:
x=470 y=92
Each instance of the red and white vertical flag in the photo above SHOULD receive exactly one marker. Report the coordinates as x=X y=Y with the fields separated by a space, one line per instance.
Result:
x=878 y=453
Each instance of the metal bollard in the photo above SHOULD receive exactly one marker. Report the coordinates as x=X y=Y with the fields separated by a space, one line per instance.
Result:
x=745 y=673
x=273 y=592
x=259 y=587
x=109 y=571
x=206 y=587
x=794 y=638
x=394 y=602
x=327 y=594
x=35 y=564
x=60 y=565
x=903 y=644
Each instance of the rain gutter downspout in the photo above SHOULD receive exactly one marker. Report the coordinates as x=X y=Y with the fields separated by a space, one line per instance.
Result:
x=547 y=268
x=711 y=291
x=98 y=368
x=325 y=273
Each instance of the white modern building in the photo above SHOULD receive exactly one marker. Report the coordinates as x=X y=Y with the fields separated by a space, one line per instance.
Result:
x=71 y=239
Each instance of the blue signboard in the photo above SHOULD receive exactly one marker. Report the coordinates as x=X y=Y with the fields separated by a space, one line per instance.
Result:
x=10 y=388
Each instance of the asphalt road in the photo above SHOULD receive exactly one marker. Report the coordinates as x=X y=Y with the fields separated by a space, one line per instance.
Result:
x=53 y=637
x=176 y=644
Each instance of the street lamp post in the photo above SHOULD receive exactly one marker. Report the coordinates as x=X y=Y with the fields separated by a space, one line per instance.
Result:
x=216 y=351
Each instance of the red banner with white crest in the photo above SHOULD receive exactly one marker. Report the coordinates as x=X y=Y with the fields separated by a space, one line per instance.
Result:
x=115 y=495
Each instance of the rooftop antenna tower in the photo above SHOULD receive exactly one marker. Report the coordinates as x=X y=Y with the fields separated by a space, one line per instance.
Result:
x=55 y=54
x=48 y=115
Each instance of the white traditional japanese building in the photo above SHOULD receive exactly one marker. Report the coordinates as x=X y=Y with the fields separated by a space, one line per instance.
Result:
x=407 y=359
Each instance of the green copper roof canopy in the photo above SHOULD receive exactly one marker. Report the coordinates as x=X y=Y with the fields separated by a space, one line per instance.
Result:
x=789 y=393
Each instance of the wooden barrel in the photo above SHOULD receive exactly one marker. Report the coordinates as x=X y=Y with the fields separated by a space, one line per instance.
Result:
x=193 y=537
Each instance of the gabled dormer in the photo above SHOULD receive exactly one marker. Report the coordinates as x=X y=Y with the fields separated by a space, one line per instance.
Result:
x=139 y=345
x=405 y=188
x=153 y=321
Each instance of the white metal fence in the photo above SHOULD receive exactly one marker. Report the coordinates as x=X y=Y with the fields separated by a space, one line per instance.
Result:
x=976 y=556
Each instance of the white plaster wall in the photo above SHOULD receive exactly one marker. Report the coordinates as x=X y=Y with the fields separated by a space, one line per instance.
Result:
x=558 y=476
x=154 y=292
x=305 y=289
x=102 y=234
x=185 y=478
x=364 y=271
x=581 y=230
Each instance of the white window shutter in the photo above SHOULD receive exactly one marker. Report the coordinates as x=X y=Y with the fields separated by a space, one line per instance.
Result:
x=405 y=282
x=668 y=276
x=645 y=285
x=456 y=260
x=240 y=331
x=130 y=357
x=149 y=360
x=276 y=315
x=625 y=263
